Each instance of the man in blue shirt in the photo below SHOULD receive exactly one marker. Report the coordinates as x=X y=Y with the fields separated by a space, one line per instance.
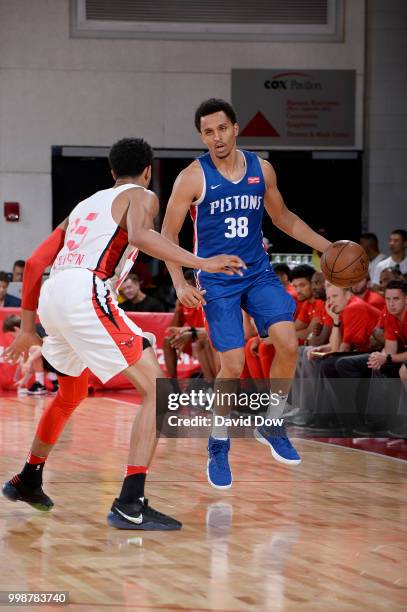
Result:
x=226 y=191
x=6 y=300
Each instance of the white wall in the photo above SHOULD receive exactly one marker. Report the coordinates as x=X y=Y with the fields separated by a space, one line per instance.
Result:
x=387 y=116
x=55 y=90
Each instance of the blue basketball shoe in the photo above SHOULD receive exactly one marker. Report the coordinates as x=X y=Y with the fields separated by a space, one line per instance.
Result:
x=218 y=470
x=281 y=448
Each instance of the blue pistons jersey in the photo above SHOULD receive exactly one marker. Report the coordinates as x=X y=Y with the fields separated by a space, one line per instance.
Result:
x=228 y=219
x=228 y=216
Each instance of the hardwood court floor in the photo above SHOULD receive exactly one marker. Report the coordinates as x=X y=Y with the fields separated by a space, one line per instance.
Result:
x=327 y=535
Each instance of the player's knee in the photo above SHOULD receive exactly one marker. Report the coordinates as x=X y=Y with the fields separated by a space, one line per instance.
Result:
x=148 y=387
x=288 y=348
x=233 y=368
x=72 y=397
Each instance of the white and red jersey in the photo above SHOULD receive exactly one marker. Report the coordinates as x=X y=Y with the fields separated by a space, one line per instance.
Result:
x=94 y=240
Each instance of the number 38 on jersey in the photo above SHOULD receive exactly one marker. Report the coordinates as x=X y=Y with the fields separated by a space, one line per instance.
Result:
x=237 y=227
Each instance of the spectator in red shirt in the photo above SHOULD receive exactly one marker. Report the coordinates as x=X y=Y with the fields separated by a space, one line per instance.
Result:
x=353 y=321
x=322 y=323
x=362 y=291
x=284 y=274
x=188 y=327
x=389 y=360
x=387 y=363
x=395 y=328
x=307 y=305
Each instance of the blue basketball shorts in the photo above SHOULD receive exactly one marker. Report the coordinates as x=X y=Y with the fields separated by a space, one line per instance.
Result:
x=259 y=292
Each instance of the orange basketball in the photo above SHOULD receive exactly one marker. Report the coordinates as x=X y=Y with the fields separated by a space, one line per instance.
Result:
x=344 y=263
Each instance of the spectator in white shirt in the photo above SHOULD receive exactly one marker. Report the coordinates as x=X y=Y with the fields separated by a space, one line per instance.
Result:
x=370 y=243
x=398 y=257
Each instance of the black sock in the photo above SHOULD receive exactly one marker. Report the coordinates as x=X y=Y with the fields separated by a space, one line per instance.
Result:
x=133 y=488
x=31 y=474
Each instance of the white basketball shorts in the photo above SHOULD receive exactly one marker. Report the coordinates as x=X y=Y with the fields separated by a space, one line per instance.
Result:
x=84 y=326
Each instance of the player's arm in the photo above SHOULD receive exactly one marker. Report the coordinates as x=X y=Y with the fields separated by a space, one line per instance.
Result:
x=283 y=218
x=143 y=207
x=187 y=189
x=34 y=268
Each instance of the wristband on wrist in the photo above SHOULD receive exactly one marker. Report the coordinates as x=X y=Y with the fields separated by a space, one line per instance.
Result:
x=336 y=324
x=193 y=334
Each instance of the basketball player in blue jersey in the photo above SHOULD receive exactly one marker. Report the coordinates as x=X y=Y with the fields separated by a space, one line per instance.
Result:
x=226 y=191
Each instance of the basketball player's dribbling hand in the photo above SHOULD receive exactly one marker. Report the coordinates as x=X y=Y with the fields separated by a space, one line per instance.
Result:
x=21 y=346
x=227 y=264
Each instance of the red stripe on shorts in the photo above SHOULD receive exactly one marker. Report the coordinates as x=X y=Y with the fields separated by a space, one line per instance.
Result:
x=126 y=340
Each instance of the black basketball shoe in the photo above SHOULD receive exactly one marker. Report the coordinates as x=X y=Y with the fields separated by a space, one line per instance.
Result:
x=37 y=389
x=15 y=490
x=139 y=515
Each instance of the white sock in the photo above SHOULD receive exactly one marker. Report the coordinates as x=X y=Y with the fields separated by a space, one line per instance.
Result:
x=52 y=376
x=39 y=377
x=220 y=432
x=277 y=406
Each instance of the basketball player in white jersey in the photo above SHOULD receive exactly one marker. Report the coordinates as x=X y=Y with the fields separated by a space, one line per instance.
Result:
x=91 y=252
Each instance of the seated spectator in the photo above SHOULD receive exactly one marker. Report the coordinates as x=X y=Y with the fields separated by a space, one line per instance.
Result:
x=395 y=329
x=284 y=273
x=188 y=328
x=370 y=243
x=353 y=321
x=321 y=327
x=387 y=275
x=362 y=291
x=135 y=299
x=394 y=352
x=398 y=257
x=18 y=271
x=309 y=308
x=322 y=323
x=389 y=360
x=35 y=364
x=6 y=300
